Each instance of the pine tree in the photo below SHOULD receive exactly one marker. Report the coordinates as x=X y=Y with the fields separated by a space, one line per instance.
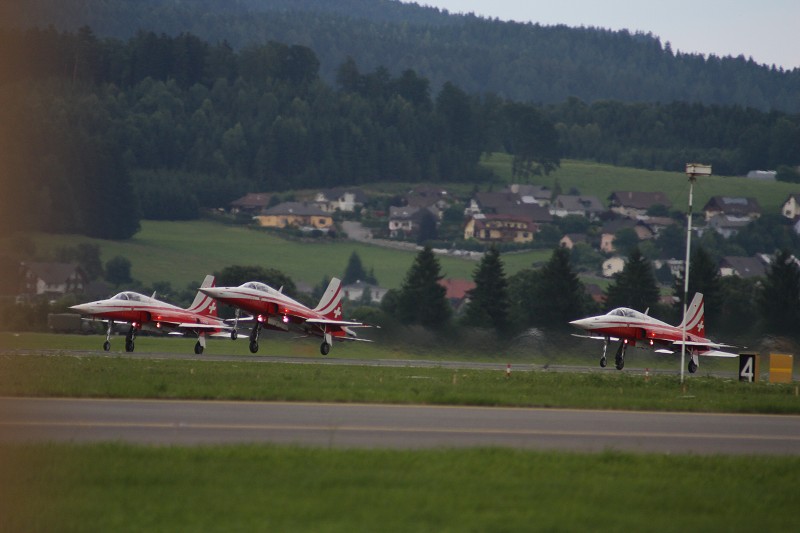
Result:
x=780 y=301
x=552 y=295
x=489 y=303
x=704 y=278
x=635 y=286
x=422 y=300
x=354 y=271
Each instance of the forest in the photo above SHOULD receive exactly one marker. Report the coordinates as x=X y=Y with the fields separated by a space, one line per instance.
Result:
x=522 y=62
x=100 y=132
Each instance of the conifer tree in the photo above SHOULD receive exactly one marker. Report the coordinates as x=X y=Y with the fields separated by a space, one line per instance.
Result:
x=635 y=286
x=354 y=271
x=550 y=296
x=489 y=302
x=422 y=300
x=704 y=277
x=780 y=301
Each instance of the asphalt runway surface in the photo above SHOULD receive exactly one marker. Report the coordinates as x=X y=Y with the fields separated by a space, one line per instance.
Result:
x=177 y=422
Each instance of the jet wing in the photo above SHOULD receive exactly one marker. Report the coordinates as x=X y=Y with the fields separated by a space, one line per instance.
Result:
x=346 y=323
x=595 y=337
x=192 y=325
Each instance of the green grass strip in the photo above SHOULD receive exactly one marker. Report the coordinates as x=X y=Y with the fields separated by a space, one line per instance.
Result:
x=120 y=488
x=120 y=377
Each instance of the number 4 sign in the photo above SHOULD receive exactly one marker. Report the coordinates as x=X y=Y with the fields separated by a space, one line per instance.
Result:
x=748 y=367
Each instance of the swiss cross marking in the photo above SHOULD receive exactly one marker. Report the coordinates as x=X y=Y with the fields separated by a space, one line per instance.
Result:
x=337 y=312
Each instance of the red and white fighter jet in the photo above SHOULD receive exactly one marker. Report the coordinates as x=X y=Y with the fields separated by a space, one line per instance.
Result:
x=630 y=326
x=145 y=312
x=276 y=311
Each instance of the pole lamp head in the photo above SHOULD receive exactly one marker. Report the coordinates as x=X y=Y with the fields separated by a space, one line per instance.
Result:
x=693 y=170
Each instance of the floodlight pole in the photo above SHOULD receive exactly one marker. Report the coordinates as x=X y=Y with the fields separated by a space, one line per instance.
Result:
x=692 y=170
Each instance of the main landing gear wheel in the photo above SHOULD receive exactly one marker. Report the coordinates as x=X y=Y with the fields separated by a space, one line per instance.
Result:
x=234 y=335
x=603 y=362
x=106 y=346
x=619 y=359
x=692 y=367
x=253 y=346
x=198 y=348
x=129 y=345
x=324 y=348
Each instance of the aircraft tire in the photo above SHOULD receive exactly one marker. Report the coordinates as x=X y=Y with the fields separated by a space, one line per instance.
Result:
x=620 y=364
x=253 y=346
x=692 y=367
x=198 y=348
x=603 y=362
x=106 y=346
x=234 y=335
x=129 y=346
x=324 y=348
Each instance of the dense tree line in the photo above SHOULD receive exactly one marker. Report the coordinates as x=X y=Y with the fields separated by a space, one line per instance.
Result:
x=524 y=62
x=656 y=136
x=166 y=125
x=100 y=132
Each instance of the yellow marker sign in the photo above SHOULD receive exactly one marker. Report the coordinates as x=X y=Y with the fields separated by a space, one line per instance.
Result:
x=780 y=368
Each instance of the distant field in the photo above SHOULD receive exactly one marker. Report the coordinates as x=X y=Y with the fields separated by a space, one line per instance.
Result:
x=183 y=252
x=599 y=180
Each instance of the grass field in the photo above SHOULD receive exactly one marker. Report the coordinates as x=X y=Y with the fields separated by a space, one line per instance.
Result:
x=182 y=252
x=123 y=377
x=117 y=487
x=599 y=180
x=121 y=487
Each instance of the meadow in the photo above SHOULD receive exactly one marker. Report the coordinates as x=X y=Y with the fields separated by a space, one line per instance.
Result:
x=119 y=487
x=183 y=252
x=97 y=374
x=122 y=487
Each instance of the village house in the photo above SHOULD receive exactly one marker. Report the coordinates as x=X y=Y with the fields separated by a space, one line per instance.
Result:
x=725 y=225
x=295 y=214
x=500 y=228
x=436 y=199
x=569 y=240
x=791 y=207
x=733 y=207
x=345 y=200
x=585 y=206
x=354 y=292
x=52 y=280
x=531 y=194
x=457 y=291
x=743 y=267
x=251 y=203
x=507 y=203
x=609 y=231
x=633 y=204
x=405 y=221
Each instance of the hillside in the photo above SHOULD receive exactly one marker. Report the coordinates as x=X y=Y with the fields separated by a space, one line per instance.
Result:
x=523 y=62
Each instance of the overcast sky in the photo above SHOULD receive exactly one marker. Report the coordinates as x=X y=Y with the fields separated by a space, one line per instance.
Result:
x=766 y=30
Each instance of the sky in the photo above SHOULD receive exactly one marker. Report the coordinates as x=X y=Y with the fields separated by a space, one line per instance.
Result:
x=766 y=30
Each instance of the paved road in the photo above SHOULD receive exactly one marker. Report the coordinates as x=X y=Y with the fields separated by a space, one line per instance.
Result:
x=165 y=422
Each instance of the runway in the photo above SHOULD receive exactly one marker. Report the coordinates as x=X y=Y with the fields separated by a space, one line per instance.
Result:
x=174 y=422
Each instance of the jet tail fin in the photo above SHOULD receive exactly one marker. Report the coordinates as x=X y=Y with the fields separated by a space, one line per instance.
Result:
x=330 y=305
x=695 y=324
x=204 y=304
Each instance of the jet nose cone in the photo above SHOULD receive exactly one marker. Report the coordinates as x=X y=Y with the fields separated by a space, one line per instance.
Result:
x=582 y=323
x=214 y=292
x=83 y=308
